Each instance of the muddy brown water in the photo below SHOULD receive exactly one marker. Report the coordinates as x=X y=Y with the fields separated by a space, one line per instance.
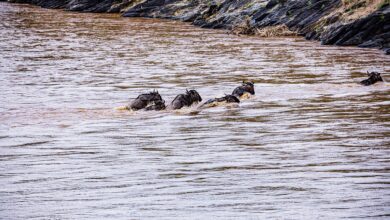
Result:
x=312 y=143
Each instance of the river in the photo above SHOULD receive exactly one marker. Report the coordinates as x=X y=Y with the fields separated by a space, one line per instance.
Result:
x=311 y=144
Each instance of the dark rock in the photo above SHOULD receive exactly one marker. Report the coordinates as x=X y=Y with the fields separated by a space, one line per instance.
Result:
x=370 y=31
x=379 y=41
x=271 y=4
x=311 y=35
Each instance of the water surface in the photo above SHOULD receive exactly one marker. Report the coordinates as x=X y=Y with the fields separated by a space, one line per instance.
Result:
x=312 y=143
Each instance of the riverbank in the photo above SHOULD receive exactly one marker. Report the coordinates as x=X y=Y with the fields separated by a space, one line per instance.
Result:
x=333 y=22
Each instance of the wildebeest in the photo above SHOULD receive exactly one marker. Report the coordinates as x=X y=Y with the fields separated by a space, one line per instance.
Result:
x=145 y=100
x=225 y=99
x=187 y=99
x=373 y=77
x=157 y=106
x=246 y=87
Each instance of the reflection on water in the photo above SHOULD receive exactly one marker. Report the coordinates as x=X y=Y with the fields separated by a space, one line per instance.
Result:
x=312 y=143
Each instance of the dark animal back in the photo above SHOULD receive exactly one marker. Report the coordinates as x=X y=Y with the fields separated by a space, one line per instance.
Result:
x=179 y=102
x=372 y=80
x=231 y=99
x=138 y=104
x=367 y=82
x=239 y=91
x=209 y=101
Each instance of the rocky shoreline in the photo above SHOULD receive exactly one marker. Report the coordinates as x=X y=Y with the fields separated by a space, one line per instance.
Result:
x=333 y=22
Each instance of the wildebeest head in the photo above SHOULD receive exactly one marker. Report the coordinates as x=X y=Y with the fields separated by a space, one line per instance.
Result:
x=373 y=77
x=249 y=87
x=194 y=96
x=246 y=87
